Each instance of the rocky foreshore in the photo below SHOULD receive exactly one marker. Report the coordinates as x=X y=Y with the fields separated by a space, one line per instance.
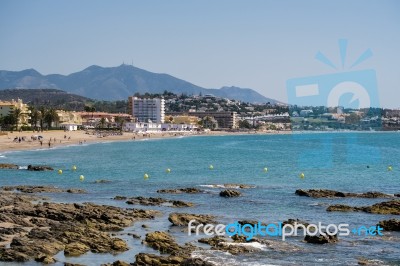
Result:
x=154 y=202
x=37 y=231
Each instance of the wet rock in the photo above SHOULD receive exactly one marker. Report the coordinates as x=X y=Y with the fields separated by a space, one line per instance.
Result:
x=326 y=193
x=183 y=219
x=234 y=186
x=72 y=264
x=321 y=239
x=41 y=189
x=189 y=190
x=213 y=241
x=8 y=166
x=390 y=225
x=162 y=242
x=102 y=181
x=295 y=221
x=196 y=262
x=117 y=263
x=229 y=193
x=387 y=207
x=72 y=228
x=144 y=259
x=158 y=202
x=370 y=262
x=39 y=168
x=397 y=195
x=45 y=259
x=120 y=198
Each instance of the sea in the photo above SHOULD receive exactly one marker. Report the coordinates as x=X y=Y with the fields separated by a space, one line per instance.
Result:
x=347 y=162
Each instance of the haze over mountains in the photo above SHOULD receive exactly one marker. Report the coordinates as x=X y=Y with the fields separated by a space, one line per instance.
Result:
x=117 y=83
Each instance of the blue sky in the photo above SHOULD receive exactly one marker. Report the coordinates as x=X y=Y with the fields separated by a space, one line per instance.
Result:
x=251 y=44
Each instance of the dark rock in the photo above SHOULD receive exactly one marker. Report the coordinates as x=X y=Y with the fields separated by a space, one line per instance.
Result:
x=102 y=181
x=196 y=262
x=295 y=221
x=321 y=239
x=326 y=193
x=397 y=195
x=229 y=193
x=8 y=166
x=120 y=198
x=41 y=189
x=390 y=225
x=162 y=242
x=39 y=168
x=75 y=191
x=183 y=219
x=144 y=259
x=45 y=259
x=387 y=207
x=158 y=202
x=189 y=190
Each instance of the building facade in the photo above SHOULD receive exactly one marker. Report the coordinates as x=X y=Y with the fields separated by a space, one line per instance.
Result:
x=225 y=120
x=145 y=110
x=8 y=108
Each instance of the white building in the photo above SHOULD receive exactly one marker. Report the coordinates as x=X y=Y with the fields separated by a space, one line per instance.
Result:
x=157 y=127
x=147 y=110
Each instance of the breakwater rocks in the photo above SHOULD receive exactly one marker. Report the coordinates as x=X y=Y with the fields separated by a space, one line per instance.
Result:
x=387 y=207
x=326 y=193
x=29 y=168
x=38 y=231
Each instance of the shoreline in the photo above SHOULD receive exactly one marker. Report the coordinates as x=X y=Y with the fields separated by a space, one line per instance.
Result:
x=76 y=138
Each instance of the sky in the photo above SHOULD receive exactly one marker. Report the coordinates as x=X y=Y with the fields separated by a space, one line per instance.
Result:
x=250 y=44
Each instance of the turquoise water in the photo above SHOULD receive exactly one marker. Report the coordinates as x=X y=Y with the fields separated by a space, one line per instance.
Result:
x=339 y=162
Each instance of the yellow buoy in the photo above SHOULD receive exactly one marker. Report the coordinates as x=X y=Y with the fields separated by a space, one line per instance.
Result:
x=60 y=172
x=390 y=168
x=146 y=176
x=168 y=170
x=302 y=175
x=74 y=168
x=211 y=167
x=81 y=177
x=265 y=169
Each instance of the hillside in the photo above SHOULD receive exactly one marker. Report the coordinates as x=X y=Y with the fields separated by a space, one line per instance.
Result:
x=117 y=83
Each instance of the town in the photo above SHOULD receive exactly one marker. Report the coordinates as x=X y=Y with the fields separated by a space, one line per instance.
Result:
x=175 y=113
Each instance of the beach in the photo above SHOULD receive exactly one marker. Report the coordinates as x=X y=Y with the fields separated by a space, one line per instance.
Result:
x=9 y=141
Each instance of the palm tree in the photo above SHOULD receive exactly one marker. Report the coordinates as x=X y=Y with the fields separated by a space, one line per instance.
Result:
x=35 y=115
x=16 y=116
x=102 y=122
x=50 y=116
x=42 y=114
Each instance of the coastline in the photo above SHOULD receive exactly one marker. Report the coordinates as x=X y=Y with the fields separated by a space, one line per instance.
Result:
x=80 y=137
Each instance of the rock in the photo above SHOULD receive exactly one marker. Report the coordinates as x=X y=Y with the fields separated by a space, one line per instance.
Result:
x=158 y=202
x=45 y=259
x=120 y=198
x=387 y=207
x=75 y=249
x=234 y=186
x=189 y=190
x=145 y=226
x=196 y=262
x=183 y=219
x=295 y=221
x=341 y=208
x=42 y=189
x=229 y=193
x=390 y=225
x=118 y=263
x=162 y=242
x=75 y=191
x=321 y=239
x=144 y=259
x=102 y=181
x=72 y=264
x=8 y=166
x=39 y=168
x=54 y=227
x=134 y=235
x=370 y=262
x=326 y=193
x=212 y=241
x=397 y=195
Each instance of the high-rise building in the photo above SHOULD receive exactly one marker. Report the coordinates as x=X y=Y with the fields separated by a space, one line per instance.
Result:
x=145 y=110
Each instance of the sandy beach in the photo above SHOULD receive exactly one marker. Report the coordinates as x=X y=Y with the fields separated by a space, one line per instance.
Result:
x=9 y=141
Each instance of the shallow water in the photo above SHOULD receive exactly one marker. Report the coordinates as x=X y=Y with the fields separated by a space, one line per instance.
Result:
x=339 y=162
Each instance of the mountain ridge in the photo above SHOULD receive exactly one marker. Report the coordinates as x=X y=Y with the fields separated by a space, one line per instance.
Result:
x=117 y=83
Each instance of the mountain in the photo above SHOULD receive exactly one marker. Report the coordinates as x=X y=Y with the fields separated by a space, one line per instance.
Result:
x=117 y=83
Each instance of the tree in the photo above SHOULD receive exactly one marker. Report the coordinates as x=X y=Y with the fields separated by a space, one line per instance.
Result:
x=42 y=114
x=102 y=122
x=244 y=124
x=50 y=116
x=35 y=115
x=16 y=115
